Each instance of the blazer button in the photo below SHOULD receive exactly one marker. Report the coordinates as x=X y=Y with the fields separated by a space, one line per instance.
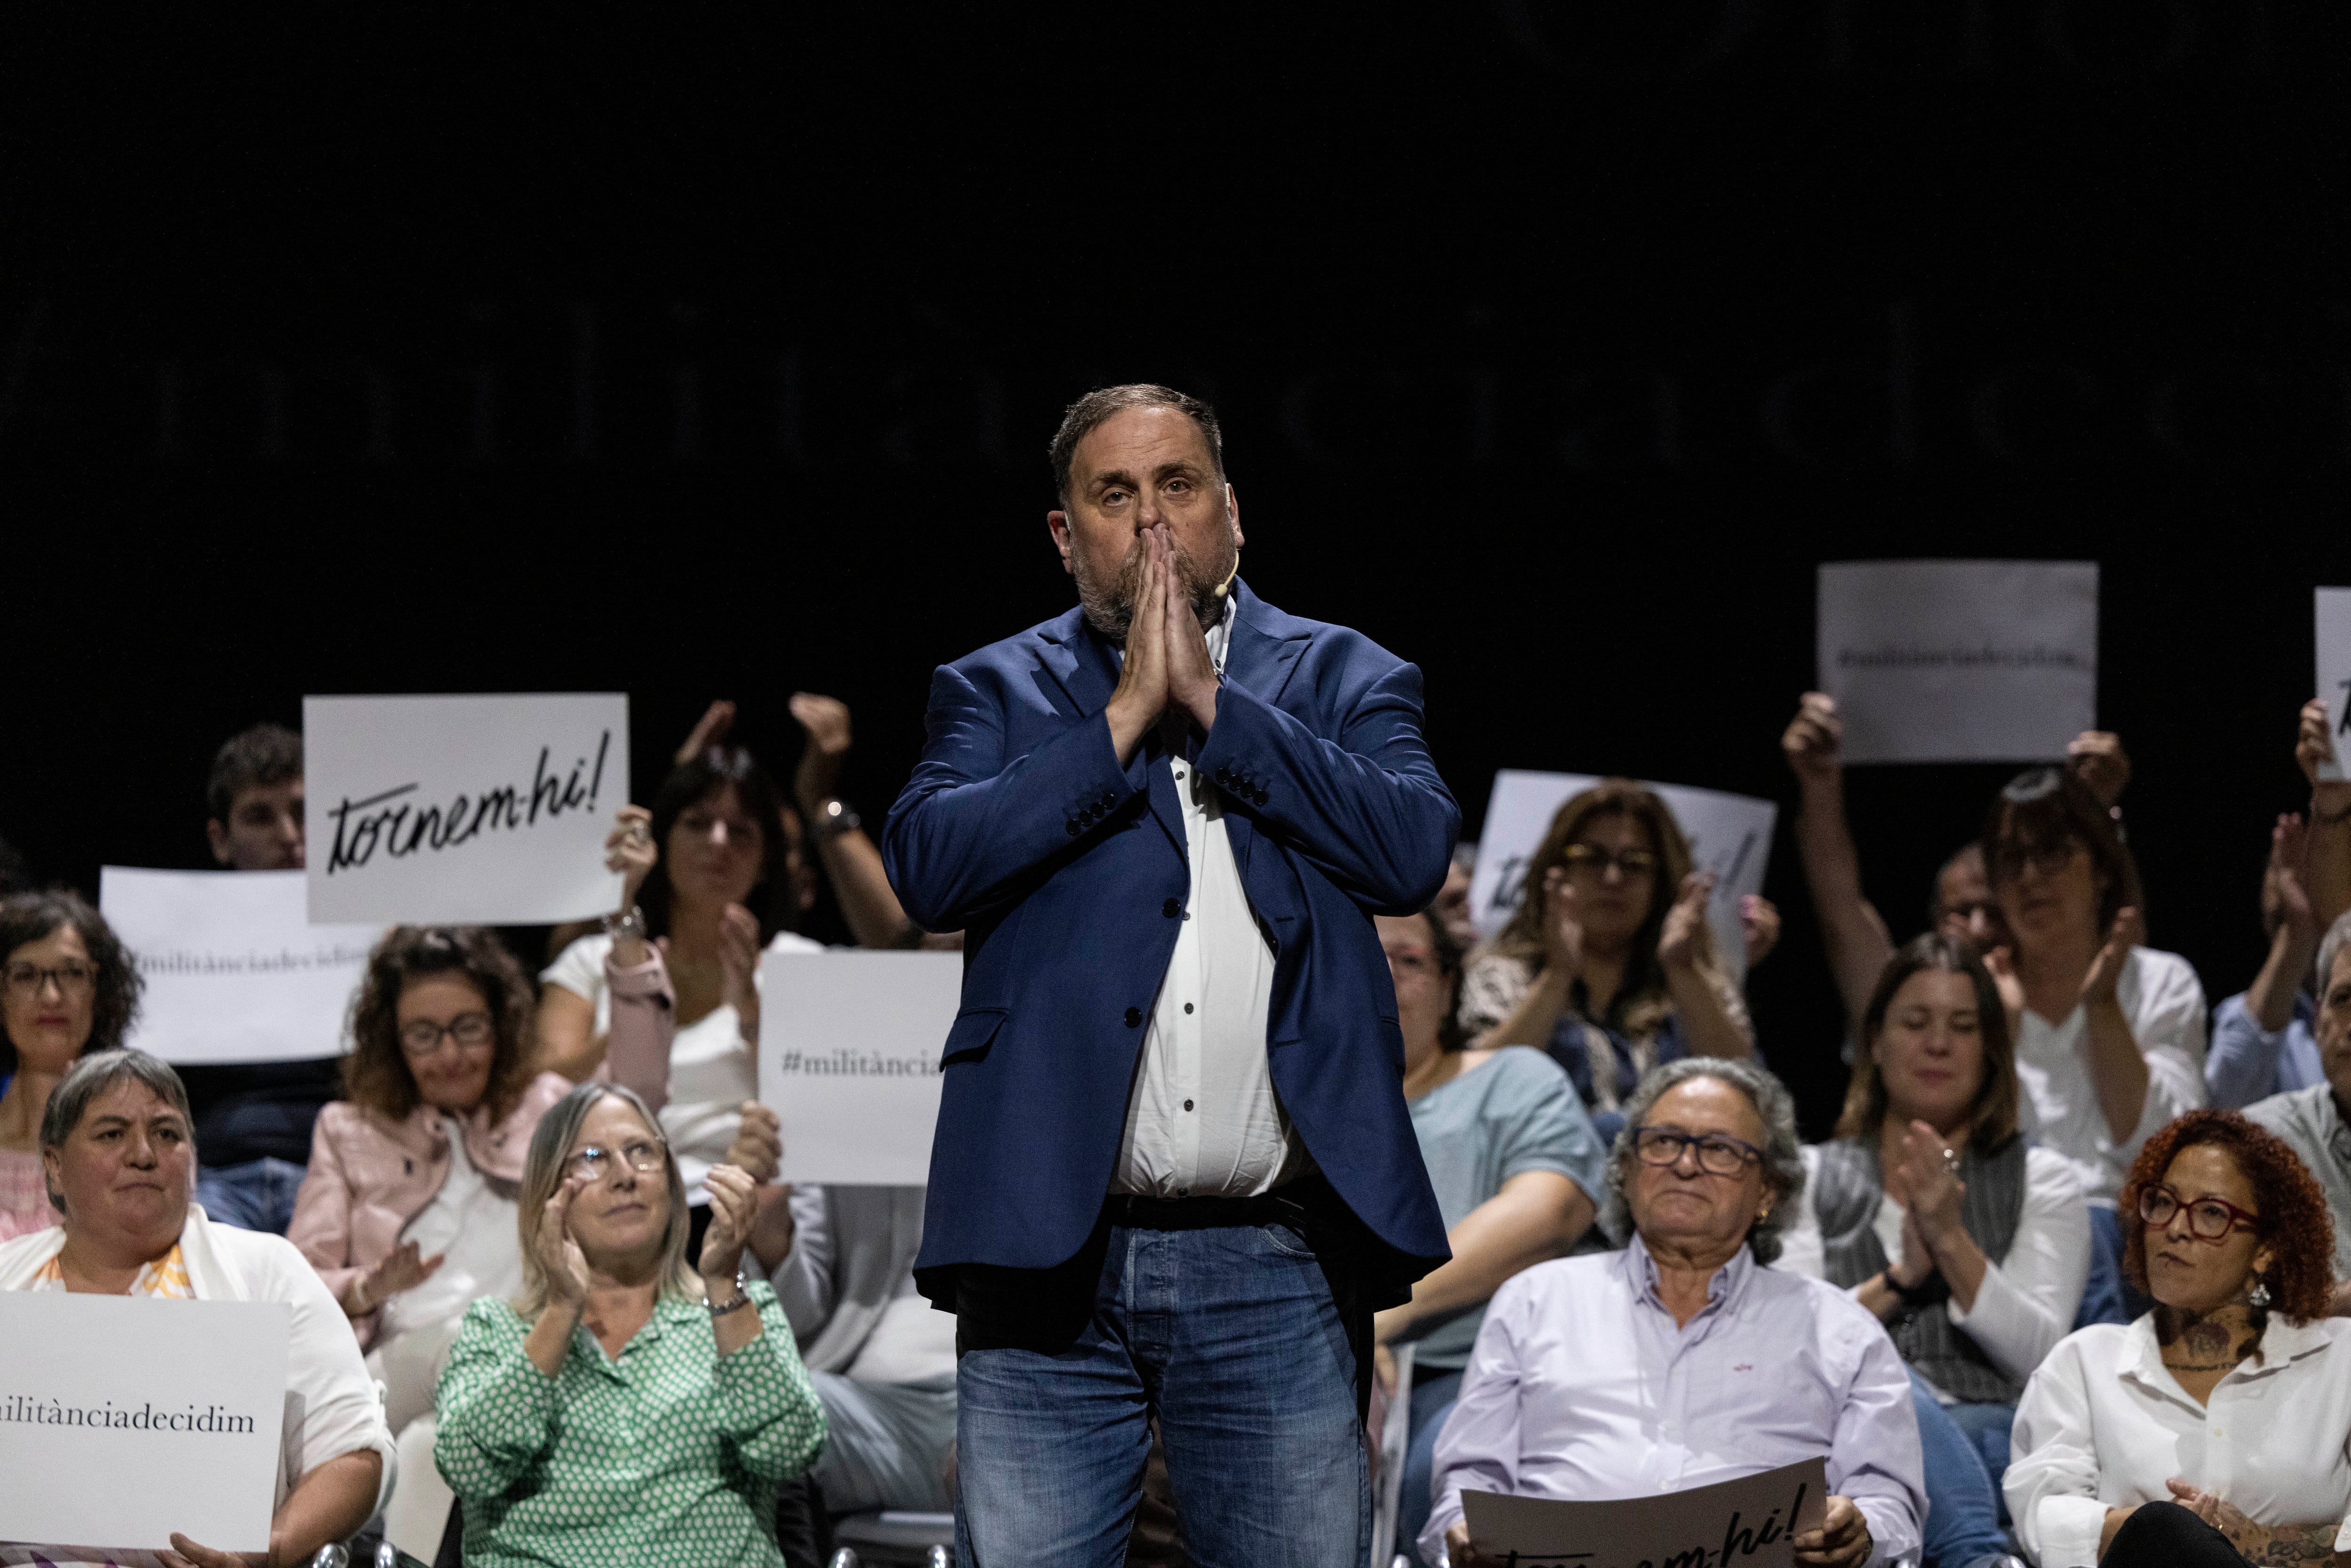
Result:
x=1133 y=1017
x=1074 y=829
x=1171 y=908
x=1258 y=797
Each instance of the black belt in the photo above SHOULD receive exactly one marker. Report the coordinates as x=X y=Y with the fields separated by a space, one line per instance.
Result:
x=1291 y=1204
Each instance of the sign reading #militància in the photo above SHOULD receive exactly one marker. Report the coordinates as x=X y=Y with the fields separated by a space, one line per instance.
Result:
x=123 y=1419
x=462 y=810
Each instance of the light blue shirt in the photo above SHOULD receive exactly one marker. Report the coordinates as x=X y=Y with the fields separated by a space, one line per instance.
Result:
x=2247 y=1062
x=1515 y=1112
x=1581 y=1387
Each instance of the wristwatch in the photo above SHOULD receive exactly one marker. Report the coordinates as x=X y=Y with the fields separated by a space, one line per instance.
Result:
x=630 y=921
x=833 y=818
x=1932 y=1290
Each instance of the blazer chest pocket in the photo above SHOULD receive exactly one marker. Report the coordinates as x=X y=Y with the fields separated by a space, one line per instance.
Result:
x=973 y=1031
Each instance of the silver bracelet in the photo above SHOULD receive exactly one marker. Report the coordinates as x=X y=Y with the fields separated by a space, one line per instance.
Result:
x=742 y=1299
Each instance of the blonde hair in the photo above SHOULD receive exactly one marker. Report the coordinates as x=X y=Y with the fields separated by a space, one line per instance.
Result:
x=1643 y=1004
x=550 y=1148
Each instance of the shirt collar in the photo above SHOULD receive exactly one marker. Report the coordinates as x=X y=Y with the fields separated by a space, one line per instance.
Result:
x=1722 y=1290
x=2282 y=1344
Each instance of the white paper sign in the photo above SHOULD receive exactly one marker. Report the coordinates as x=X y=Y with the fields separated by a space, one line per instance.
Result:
x=1730 y=835
x=1959 y=661
x=2334 y=617
x=123 y=1419
x=448 y=809
x=1745 y=1523
x=235 y=970
x=849 y=1061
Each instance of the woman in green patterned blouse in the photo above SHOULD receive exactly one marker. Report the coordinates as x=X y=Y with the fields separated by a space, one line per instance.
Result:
x=626 y=1412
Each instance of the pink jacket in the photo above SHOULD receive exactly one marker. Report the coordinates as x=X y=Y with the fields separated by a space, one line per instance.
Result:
x=369 y=1177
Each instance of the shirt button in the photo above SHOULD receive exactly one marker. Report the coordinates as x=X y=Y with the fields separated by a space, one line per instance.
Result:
x=1183 y=1192
x=1187 y=1006
x=1179 y=773
x=1187 y=1104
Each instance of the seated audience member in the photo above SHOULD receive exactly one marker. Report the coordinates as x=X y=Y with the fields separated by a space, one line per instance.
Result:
x=1854 y=934
x=883 y=1361
x=253 y=1119
x=1972 y=1247
x=2215 y=1430
x=1681 y=1361
x=120 y=1162
x=626 y=1409
x=2313 y=1122
x=1452 y=904
x=2110 y=1033
x=1516 y=1169
x=726 y=845
x=1608 y=963
x=70 y=990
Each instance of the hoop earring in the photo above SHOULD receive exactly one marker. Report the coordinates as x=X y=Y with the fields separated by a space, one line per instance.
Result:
x=2261 y=1294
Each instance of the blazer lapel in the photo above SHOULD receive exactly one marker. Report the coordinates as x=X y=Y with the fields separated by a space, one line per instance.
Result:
x=1264 y=647
x=1080 y=662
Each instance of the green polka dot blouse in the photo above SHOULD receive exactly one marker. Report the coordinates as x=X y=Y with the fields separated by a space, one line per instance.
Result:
x=668 y=1454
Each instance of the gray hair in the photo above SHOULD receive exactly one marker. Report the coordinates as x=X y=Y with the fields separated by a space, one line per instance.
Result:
x=543 y=1174
x=92 y=1076
x=1783 y=1164
x=2330 y=949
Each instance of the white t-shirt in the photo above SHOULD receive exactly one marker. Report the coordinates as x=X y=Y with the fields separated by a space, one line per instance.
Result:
x=711 y=1068
x=2165 y=1003
x=2027 y=1300
x=472 y=1226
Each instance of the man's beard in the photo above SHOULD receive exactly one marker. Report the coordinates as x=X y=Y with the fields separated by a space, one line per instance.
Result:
x=1110 y=606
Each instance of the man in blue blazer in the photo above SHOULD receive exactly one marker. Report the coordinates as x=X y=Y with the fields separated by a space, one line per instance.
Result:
x=1173 y=1174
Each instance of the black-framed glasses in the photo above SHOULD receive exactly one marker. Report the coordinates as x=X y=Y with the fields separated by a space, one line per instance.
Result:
x=594 y=1161
x=2012 y=861
x=71 y=978
x=1593 y=860
x=2209 y=1218
x=1716 y=1154
x=470 y=1030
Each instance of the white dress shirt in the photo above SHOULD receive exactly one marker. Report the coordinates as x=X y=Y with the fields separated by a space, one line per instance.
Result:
x=2027 y=1301
x=2165 y=1003
x=1581 y=1387
x=1202 y=1120
x=2103 y=1425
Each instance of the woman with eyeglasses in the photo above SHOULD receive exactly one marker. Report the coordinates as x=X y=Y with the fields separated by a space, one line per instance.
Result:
x=2215 y=1430
x=1684 y=1360
x=2110 y=1033
x=628 y=1410
x=67 y=990
x=1609 y=963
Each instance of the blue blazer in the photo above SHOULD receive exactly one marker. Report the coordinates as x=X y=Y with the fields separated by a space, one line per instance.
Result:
x=1067 y=873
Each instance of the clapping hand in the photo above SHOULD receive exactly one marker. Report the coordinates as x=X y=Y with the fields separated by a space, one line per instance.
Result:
x=401 y=1270
x=629 y=850
x=2106 y=969
x=738 y=962
x=1932 y=1188
x=1759 y=924
x=1677 y=938
x=825 y=721
x=708 y=731
x=734 y=1207
x=2288 y=865
x=559 y=1258
x=2001 y=964
x=1562 y=931
x=2313 y=748
x=758 y=1150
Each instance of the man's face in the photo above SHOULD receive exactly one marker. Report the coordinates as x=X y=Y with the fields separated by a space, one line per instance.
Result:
x=264 y=831
x=2334 y=1030
x=1143 y=468
x=1965 y=905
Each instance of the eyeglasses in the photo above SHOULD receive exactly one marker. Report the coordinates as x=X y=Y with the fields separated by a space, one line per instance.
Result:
x=1592 y=860
x=470 y=1030
x=2209 y=1218
x=1717 y=1156
x=2012 y=861
x=594 y=1161
x=71 y=978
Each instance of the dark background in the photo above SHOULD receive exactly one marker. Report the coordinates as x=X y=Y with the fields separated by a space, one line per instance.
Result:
x=712 y=354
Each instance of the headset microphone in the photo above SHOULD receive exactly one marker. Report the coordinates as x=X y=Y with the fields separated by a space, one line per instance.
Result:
x=1225 y=586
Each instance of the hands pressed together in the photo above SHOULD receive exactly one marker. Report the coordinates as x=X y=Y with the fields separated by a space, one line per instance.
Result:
x=1168 y=670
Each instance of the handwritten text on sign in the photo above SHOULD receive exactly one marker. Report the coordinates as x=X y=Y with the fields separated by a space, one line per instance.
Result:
x=139 y=1417
x=848 y=1059
x=1959 y=661
x=1745 y=1523
x=488 y=809
x=1730 y=835
x=235 y=970
x=2334 y=619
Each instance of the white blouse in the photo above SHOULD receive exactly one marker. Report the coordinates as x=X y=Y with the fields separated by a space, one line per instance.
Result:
x=2165 y=1003
x=2103 y=1425
x=2027 y=1300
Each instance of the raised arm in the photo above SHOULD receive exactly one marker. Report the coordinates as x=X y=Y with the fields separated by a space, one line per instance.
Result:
x=1851 y=930
x=851 y=863
x=2316 y=743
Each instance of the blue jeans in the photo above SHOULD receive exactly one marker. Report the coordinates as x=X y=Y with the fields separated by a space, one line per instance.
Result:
x=1432 y=1402
x=1231 y=1336
x=1962 y=1509
x=255 y=1195
x=2108 y=1298
x=1987 y=1427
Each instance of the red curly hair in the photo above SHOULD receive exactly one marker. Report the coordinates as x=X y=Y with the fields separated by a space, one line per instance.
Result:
x=2293 y=1217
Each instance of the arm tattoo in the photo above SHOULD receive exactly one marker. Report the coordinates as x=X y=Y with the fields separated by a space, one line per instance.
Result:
x=2292 y=1546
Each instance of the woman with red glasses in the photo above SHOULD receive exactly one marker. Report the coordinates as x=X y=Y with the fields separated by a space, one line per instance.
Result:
x=2216 y=1429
